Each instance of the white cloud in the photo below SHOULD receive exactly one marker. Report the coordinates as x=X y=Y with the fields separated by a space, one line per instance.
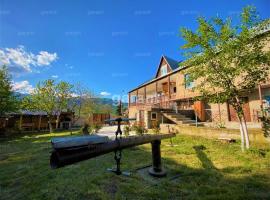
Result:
x=23 y=87
x=45 y=58
x=105 y=93
x=19 y=60
x=55 y=76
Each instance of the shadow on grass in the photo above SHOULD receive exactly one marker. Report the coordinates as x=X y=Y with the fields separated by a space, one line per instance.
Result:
x=27 y=174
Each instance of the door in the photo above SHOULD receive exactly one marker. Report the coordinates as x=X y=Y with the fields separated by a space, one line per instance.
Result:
x=233 y=115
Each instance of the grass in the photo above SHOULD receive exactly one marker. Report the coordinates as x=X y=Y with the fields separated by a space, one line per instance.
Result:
x=207 y=169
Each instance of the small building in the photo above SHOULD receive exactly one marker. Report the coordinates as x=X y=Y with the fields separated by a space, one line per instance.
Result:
x=34 y=121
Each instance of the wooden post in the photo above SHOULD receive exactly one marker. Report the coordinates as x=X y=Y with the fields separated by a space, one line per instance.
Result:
x=156 y=91
x=144 y=94
x=137 y=94
x=169 y=87
x=39 y=122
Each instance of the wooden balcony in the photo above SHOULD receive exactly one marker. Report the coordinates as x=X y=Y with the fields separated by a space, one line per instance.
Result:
x=154 y=102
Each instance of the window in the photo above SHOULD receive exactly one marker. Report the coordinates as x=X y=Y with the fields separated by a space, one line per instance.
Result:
x=133 y=99
x=153 y=116
x=188 y=83
x=163 y=70
x=174 y=89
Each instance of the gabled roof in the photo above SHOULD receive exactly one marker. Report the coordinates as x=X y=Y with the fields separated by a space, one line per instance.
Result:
x=173 y=64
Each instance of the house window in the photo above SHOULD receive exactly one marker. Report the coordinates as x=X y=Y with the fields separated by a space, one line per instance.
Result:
x=133 y=99
x=174 y=89
x=188 y=83
x=153 y=116
x=163 y=70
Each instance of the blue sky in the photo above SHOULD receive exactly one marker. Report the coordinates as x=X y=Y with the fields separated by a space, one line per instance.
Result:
x=108 y=46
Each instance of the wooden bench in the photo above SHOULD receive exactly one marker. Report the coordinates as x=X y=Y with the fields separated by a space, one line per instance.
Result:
x=226 y=140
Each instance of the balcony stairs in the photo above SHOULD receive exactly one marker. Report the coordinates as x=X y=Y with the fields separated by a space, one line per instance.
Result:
x=180 y=119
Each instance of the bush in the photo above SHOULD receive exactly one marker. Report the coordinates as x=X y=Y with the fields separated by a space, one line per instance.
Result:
x=90 y=129
x=127 y=129
x=156 y=128
x=96 y=128
x=139 y=129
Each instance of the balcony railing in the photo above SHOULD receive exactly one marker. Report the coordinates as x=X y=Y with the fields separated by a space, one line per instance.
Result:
x=162 y=101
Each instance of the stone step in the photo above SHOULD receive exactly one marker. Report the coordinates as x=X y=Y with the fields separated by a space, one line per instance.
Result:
x=181 y=118
x=174 y=115
x=188 y=121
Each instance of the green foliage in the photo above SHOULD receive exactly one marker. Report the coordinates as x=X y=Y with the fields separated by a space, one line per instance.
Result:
x=127 y=129
x=49 y=97
x=139 y=129
x=96 y=127
x=91 y=129
x=156 y=128
x=8 y=100
x=119 y=109
x=227 y=59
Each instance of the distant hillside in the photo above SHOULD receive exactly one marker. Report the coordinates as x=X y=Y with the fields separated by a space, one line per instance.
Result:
x=102 y=101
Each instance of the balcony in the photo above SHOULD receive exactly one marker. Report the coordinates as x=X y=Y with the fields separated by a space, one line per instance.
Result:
x=161 y=102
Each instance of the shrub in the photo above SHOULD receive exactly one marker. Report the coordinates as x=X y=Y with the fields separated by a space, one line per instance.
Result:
x=139 y=129
x=96 y=127
x=127 y=129
x=90 y=129
x=156 y=129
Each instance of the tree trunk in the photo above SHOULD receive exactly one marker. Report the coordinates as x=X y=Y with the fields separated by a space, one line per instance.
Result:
x=242 y=134
x=50 y=126
x=245 y=132
x=57 y=121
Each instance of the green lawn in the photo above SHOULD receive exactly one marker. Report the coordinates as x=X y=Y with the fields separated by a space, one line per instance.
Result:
x=207 y=169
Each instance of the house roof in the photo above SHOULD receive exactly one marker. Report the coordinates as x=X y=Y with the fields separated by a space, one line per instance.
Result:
x=173 y=64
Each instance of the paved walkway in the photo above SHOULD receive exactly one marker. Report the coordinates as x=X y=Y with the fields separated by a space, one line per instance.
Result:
x=108 y=131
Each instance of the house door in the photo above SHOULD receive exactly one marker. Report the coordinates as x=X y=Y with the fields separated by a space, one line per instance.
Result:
x=233 y=115
x=199 y=109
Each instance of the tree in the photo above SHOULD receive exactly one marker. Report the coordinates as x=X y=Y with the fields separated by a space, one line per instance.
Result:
x=119 y=108
x=226 y=60
x=82 y=104
x=49 y=97
x=8 y=100
x=63 y=96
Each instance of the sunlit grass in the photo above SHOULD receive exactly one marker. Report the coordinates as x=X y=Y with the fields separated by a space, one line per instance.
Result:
x=207 y=169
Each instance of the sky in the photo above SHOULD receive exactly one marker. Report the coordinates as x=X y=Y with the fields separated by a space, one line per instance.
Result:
x=109 y=46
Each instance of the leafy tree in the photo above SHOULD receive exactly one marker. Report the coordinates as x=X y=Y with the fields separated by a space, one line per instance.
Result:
x=63 y=96
x=119 y=108
x=8 y=100
x=82 y=103
x=227 y=60
x=49 y=97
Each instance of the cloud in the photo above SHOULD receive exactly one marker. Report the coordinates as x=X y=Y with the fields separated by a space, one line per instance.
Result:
x=45 y=58
x=23 y=87
x=19 y=60
x=55 y=76
x=105 y=93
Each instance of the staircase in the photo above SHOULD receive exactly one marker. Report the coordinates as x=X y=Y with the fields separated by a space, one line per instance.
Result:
x=180 y=119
